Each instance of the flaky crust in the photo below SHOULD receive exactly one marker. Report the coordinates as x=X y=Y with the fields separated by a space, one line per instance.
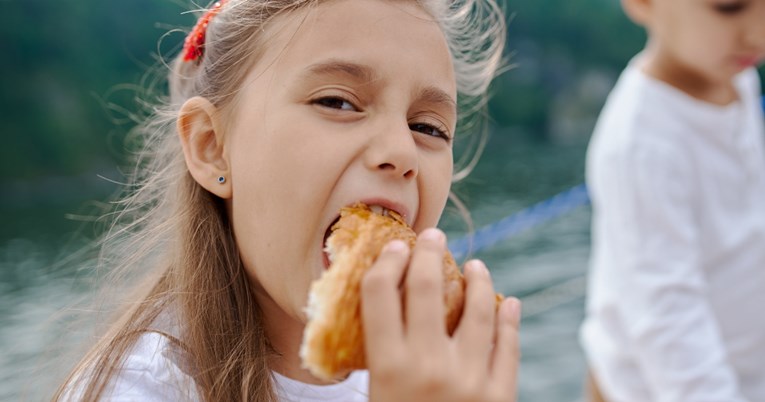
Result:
x=333 y=341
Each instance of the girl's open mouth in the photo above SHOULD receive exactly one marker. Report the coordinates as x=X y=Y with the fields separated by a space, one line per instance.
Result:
x=327 y=253
x=327 y=260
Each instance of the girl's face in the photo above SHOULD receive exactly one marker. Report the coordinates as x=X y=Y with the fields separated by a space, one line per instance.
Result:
x=712 y=40
x=352 y=100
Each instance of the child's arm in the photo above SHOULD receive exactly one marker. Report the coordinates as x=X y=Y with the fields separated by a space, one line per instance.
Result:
x=416 y=360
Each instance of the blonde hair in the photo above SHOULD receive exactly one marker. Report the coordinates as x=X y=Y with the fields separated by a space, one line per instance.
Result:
x=170 y=226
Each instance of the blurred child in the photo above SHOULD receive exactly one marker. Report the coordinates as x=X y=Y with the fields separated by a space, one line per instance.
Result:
x=282 y=112
x=676 y=170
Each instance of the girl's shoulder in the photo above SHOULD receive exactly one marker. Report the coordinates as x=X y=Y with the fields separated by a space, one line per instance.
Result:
x=155 y=369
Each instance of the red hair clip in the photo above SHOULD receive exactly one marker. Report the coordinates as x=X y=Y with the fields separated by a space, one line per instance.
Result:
x=193 y=47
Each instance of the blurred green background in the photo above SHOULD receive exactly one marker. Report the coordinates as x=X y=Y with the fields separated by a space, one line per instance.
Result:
x=70 y=71
x=63 y=60
x=70 y=67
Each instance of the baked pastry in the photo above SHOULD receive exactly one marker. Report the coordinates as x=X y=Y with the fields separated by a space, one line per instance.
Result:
x=333 y=341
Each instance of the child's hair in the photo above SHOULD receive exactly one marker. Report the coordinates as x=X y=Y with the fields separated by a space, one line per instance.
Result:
x=173 y=228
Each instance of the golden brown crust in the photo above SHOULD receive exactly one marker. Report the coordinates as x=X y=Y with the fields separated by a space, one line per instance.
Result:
x=333 y=341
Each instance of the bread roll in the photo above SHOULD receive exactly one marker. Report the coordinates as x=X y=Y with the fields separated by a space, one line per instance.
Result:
x=333 y=341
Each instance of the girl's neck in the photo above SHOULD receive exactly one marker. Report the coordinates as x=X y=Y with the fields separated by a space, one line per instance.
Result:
x=663 y=67
x=285 y=334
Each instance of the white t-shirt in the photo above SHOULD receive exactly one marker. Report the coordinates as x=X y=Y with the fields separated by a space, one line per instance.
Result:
x=155 y=371
x=677 y=278
x=352 y=389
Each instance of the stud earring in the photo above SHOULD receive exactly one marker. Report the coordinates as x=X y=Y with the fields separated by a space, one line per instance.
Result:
x=221 y=179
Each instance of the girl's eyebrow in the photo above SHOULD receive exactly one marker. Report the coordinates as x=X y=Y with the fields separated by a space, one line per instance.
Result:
x=356 y=71
x=437 y=96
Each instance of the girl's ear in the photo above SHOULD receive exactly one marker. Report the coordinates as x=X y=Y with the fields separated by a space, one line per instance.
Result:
x=202 y=140
x=639 y=11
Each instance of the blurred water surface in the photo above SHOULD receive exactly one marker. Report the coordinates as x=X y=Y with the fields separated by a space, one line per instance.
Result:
x=44 y=286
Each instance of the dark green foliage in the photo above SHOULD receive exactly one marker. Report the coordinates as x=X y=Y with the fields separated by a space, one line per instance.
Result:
x=62 y=62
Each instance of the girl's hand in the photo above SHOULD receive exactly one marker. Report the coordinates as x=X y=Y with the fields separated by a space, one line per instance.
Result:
x=418 y=360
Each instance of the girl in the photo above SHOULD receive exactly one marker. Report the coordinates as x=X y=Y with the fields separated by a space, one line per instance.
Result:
x=281 y=112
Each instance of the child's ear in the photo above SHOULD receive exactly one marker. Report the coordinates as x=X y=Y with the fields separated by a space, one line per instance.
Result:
x=638 y=11
x=202 y=140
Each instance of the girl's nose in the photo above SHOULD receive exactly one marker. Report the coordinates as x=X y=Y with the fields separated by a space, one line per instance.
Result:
x=393 y=151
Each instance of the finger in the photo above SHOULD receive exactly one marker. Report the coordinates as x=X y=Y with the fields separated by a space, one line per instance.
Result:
x=476 y=330
x=506 y=354
x=424 y=289
x=381 y=302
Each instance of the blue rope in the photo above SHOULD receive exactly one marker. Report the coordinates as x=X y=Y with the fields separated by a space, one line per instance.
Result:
x=524 y=219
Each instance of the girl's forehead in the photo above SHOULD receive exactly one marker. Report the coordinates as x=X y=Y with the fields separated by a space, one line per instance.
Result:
x=371 y=32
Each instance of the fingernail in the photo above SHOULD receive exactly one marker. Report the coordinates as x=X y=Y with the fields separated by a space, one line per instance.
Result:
x=512 y=310
x=478 y=267
x=432 y=234
x=395 y=246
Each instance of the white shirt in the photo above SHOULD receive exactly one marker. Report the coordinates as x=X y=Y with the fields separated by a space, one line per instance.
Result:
x=355 y=388
x=676 y=298
x=155 y=371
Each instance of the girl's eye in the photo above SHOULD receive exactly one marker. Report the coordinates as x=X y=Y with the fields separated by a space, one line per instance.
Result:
x=730 y=8
x=430 y=130
x=334 y=102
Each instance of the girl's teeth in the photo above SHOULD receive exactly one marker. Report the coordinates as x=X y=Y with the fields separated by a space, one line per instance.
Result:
x=379 y=210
